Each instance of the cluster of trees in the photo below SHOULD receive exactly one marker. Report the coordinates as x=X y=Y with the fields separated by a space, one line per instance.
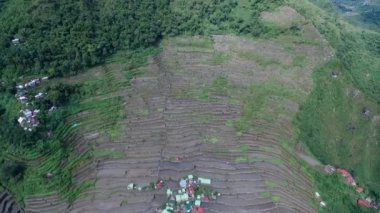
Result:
x=11 y=170
x=62 y=37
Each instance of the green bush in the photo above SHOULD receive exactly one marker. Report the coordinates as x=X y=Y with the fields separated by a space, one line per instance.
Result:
x=11 y=170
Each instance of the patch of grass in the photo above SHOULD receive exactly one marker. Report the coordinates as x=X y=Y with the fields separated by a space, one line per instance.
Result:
x=296 y=40
x=244 y=148
x=211 y=139
x=256 y=100
x=195 y=42
x=276 y=198
x=97 y=153
x=220 y=86
x=230 y=123
x=270 y=184
x=239 y=134
x=276 y=161
x=265 y=194
x=299 y=61
x=134 y=59
x=260 y=59
x=132 y=73
x=143 y=112
x=115 y=133
x=234 y=101
x=202 y=44
x=242 y=159
x=218 y=58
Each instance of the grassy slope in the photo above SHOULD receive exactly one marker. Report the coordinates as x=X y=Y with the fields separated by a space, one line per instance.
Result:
x=332 y=126
x=331 y=121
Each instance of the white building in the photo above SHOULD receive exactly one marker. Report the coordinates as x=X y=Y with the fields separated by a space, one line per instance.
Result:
x=21 y=120
x=16 y=41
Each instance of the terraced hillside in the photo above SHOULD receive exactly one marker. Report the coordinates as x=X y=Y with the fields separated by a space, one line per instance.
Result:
x=8 y=204
x=223 y=105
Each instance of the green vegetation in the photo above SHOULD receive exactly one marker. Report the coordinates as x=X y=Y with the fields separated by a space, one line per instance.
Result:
x=108 y=153
x=335 y=129
x=339 y=196
x=351 y=45
x=256 y=103
x=194 y=43
x=299 y=61
x=276 y=198
x=63 y=38
x=218 y=58
x=211 y=139
x=264 y=194
x=333 y=122
x=270 y=183
x=258 y=58
x=78 y=102
x=220 y=86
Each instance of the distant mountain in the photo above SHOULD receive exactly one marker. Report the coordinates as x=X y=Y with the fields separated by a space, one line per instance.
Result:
x=367 y=11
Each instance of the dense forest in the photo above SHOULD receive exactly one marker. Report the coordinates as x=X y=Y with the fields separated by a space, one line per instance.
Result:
x=62 y=37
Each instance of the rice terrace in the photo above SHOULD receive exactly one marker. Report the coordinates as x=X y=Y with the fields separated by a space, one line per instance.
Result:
x=193 y=106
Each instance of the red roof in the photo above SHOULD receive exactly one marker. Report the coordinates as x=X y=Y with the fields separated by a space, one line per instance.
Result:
x=349 y=179
x=343 y=171
x=360 y=189
x=199 y=209
x=206 y=199
x=347 y=175
x=364 y=203
x=159 y=184
x=191 y=189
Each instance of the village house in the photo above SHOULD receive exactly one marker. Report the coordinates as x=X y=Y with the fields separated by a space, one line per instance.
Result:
x=16 y=41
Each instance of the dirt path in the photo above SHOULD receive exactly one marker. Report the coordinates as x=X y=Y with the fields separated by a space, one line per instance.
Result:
x=311 y=161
